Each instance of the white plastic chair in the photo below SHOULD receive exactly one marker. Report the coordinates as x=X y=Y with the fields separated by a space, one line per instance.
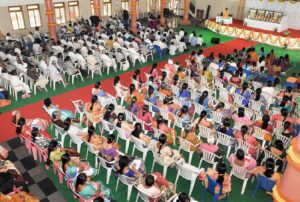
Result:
x=225 y=140
x=268 y=154
x=151 y=106
x=188 y=172
x=208 y=157
x=106 y=126
x=78 y=109
x=92 y=70
x=128 y=181
x=186 y=146
x=122 y=134
x=145 y=196
x=139 y=145
x=60 y=132
x=279 y=125
x=81 y=199
x=286 y=141
x=119 y=95
x=255 y=105
x=259 y=134
x=216 y=117
x=91 y=149
x=256 y=85
x=245 y=146
x=205 y=132
x=76 y=140
x=73 y=76
x=104 y=163
x=242 y=174
x=175 y=90
x=238 y=99
x=130 y=117
x=160 y=161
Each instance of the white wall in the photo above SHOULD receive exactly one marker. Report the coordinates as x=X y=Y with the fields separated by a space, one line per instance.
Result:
x=84 y=7
x=217 y=6
x=289 y=9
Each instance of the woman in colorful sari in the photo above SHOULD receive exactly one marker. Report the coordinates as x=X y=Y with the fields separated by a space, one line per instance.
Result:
x=126 y=166
x=49 y=107
x=184 y=115
x=72 y=168
x=93 y=138
x=94 y=109
x=26 y=131
x=133 y=106
x=88 y=189
x=283 y=116
x=152 y=97
x=98 y=90
x=161 y=125
x=146 y=116
x=203 y=99
x=285 y=103
x=139 y=133
x=170 y=68
x=259 y=98
x=225 y=128
x=241 y=117
x=202 y=121
x=184 y=94
x=109 y=151
x=239 y=159
x=190 y=136
x=268 y=170
x=39 y=123
x=133 y=92
x=123 y=90
x=220 y=176
x=120 y=122
x=245 y=93
x=265 y=124
x=251 y=140
x=153 y=71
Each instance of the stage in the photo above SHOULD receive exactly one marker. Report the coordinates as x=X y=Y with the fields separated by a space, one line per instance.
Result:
x=289 y=38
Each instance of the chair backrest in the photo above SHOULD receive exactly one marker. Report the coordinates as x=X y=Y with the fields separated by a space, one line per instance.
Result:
x=219 y=82
x=127 y=180
x=90 y=147
x=188 y=171
x=256 y=105
x=104 y=162
x=106 y=125
x=278 y=125
x=164 y=113
x=146 y=197
x=184 y=144
x=161 y=96
x=123 y=134
x=286 y=141
x=118 y=92
x=198 y=108
x=238 y=99
x=256 y=85
x=152 y=107
x=238 y=124
x=276 y=110
x=245 y=146
x=265 y=183
x=268 y=154
x=76 y=139
x=209 y=156
x=217 y=117
x=249 y=113
x=211 y=187
x=223 y=94
x=227 y=75
x=159 y=159
x=240 y=172
x=139 y=144
x=224 y=139
x=130 y=116
x=259 y=133
x=136 y=83
x=205 y=131
x=175 y=90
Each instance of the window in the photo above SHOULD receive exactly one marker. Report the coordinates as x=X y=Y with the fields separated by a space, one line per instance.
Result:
x=34 y=15
x=60 y=15
x=125 y=5
x=16 y=17
x=107 y=7
x=74 y=10
x=92 y=7
x=153 y=5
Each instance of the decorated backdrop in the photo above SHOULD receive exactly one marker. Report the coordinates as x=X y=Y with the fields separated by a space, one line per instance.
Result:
x=290 y=8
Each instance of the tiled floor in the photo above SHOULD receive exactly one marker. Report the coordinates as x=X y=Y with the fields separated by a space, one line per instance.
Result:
x=39 y=183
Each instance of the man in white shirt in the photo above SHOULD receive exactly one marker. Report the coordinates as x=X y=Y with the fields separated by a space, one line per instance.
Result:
x=269 y=92
x=108 y=61
x=172 y=49
x=15 y=82
x=72 y=55
x=181 y=33
x=200 y=40
x=181 y=46
x=134 y=54
x=92 y=61
x=80 y=58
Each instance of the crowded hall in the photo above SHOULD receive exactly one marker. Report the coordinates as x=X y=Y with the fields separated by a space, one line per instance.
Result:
x=149 y=100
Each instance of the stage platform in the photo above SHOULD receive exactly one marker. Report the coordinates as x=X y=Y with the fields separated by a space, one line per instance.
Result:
x=237 y=29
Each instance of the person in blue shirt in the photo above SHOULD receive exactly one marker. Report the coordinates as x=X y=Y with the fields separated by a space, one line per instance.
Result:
x=225 y=128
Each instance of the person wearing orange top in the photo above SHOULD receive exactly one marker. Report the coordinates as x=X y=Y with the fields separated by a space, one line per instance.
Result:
x=226 y=13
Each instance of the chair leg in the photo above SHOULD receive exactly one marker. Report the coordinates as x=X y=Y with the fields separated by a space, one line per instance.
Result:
x=199 y=166
x=132 y=150
x=137 y=198
x=190 y=157
x=118 y=180
x=177 y=177
x=244 y=186
x=144 y=155
x=129 y=190
x=192 y=186
x=165 y=171
x=152 y=166
x=108 y=176
x=127 y=146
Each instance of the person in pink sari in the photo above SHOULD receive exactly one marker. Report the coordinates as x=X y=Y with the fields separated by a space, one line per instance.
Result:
x=239 y=159
x=170 y=68
x=146 y=116
x=245 y=136
x=240 y=117
x=154 y=72
x=161 y=125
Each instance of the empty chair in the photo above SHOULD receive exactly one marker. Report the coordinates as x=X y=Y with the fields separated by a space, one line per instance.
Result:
x=225 y=140
x=91 y=149
x=128 y=181
x=209 y=157
x=139 y=145
x=146 y=197
x=241 y=173
x=186 y=146
x=104 y=163
x=79 y=108
x=124 y=135
x=188 y=172
x=161 y=161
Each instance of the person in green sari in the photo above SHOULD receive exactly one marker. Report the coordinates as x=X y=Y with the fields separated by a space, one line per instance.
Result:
x=88 y=189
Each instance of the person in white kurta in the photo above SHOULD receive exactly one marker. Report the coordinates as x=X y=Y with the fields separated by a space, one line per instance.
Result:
x=172 y=49
x=15 y=82
x=54 y=74
x=92 y=61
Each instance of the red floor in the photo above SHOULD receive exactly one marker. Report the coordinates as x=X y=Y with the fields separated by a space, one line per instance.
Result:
x=239 y=24
x=35 y=110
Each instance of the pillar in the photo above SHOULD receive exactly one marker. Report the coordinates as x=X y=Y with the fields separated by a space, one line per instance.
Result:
x=51 y=20
x=163 y=4
x=133 y=16
x=287 y=188
x=186 y=13
x=97 y=12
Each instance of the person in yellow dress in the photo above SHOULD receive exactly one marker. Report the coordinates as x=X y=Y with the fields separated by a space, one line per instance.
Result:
x=226 y=13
